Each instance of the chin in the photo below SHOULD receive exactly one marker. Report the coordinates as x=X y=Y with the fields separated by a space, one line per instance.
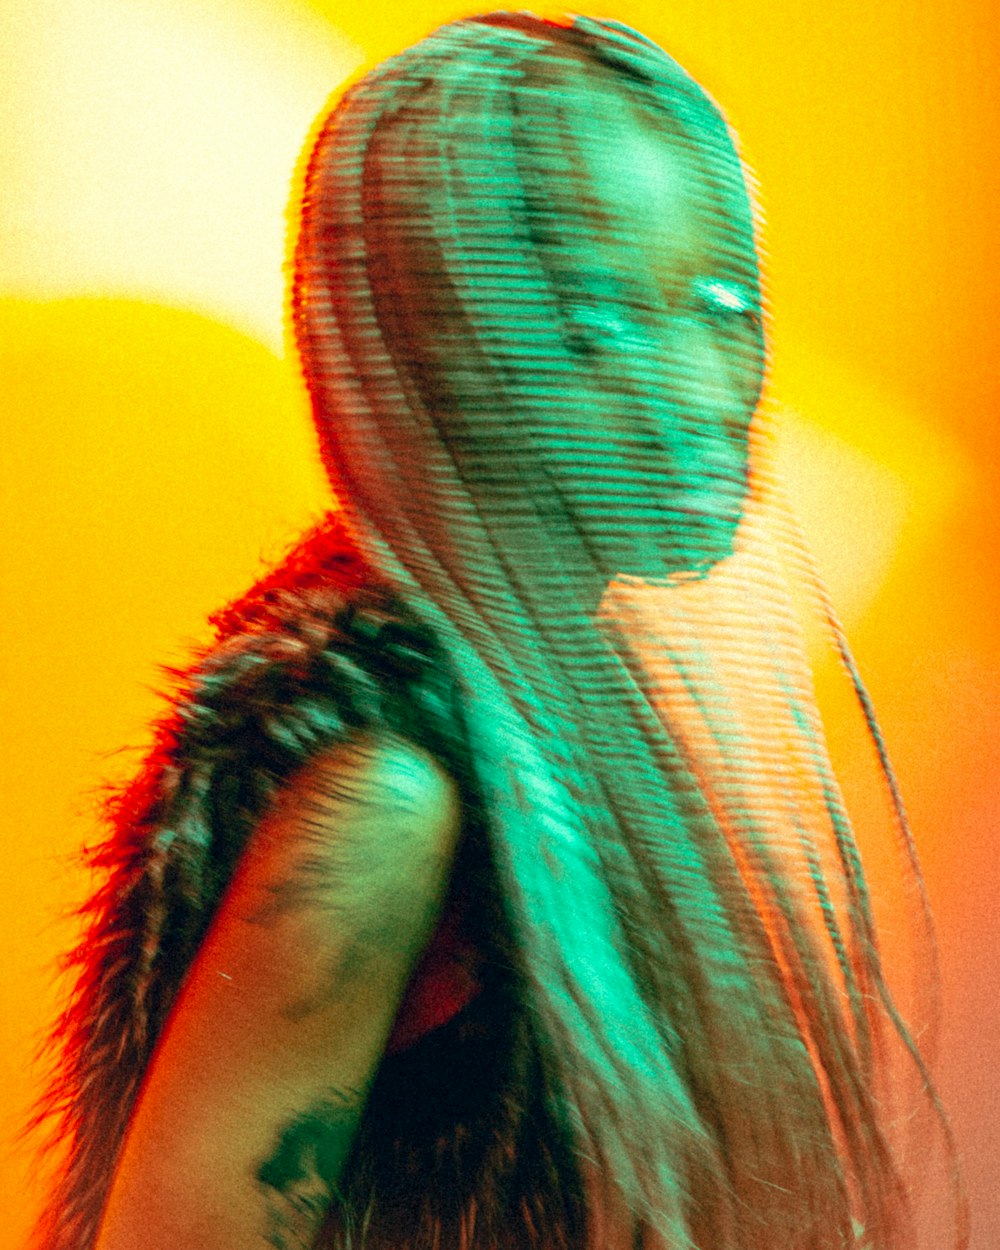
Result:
x=707 y=541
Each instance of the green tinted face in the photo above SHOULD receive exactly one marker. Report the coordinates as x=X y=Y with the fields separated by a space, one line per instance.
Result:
x=658 y=287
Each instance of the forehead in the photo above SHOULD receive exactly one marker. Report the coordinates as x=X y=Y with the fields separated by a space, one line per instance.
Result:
x=647 y=189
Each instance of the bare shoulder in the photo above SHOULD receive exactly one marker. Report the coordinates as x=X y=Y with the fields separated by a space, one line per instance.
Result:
x=370 y=819
x=380 y=768
x=289 y=1003
x=378 y=776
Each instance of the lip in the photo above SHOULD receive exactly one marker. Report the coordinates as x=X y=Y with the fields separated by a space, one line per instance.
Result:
x=719 y=503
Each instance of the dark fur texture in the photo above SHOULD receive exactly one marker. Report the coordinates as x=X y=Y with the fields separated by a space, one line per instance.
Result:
x=458 y=1134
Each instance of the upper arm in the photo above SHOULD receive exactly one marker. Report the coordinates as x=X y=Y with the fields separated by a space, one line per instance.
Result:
x=258 y=1081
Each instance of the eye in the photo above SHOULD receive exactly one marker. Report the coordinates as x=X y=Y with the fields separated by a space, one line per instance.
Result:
x=603 y=320
x=601 y=316
x=595 y=328
x=726 y=301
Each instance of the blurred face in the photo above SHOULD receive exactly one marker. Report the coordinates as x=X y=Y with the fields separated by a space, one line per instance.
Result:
x=659 y=295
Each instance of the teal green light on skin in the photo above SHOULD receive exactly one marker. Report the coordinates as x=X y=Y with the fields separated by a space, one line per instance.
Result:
x=657 y=283
x=528 y=306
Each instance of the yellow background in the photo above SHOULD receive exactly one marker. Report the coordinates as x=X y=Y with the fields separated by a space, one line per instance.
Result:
x=156 y=445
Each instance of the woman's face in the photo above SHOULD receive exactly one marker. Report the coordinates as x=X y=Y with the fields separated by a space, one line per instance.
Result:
x=658 y=287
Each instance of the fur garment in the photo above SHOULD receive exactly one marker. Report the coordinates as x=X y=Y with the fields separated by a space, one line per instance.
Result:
x=459 y=1141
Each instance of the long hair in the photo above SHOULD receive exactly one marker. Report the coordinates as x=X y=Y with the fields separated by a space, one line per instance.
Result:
x=703 y=972
x=693 y=1023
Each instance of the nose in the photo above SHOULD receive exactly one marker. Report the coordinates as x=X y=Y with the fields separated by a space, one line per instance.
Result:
x=715 y=380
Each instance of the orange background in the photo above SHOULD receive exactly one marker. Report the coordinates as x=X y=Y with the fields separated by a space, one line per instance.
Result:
x=156 y=445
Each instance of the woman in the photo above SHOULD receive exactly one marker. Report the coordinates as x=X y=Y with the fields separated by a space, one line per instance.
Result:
x=489 y=886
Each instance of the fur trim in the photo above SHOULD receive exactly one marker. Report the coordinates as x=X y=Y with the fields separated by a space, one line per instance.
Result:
x=316 y=649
